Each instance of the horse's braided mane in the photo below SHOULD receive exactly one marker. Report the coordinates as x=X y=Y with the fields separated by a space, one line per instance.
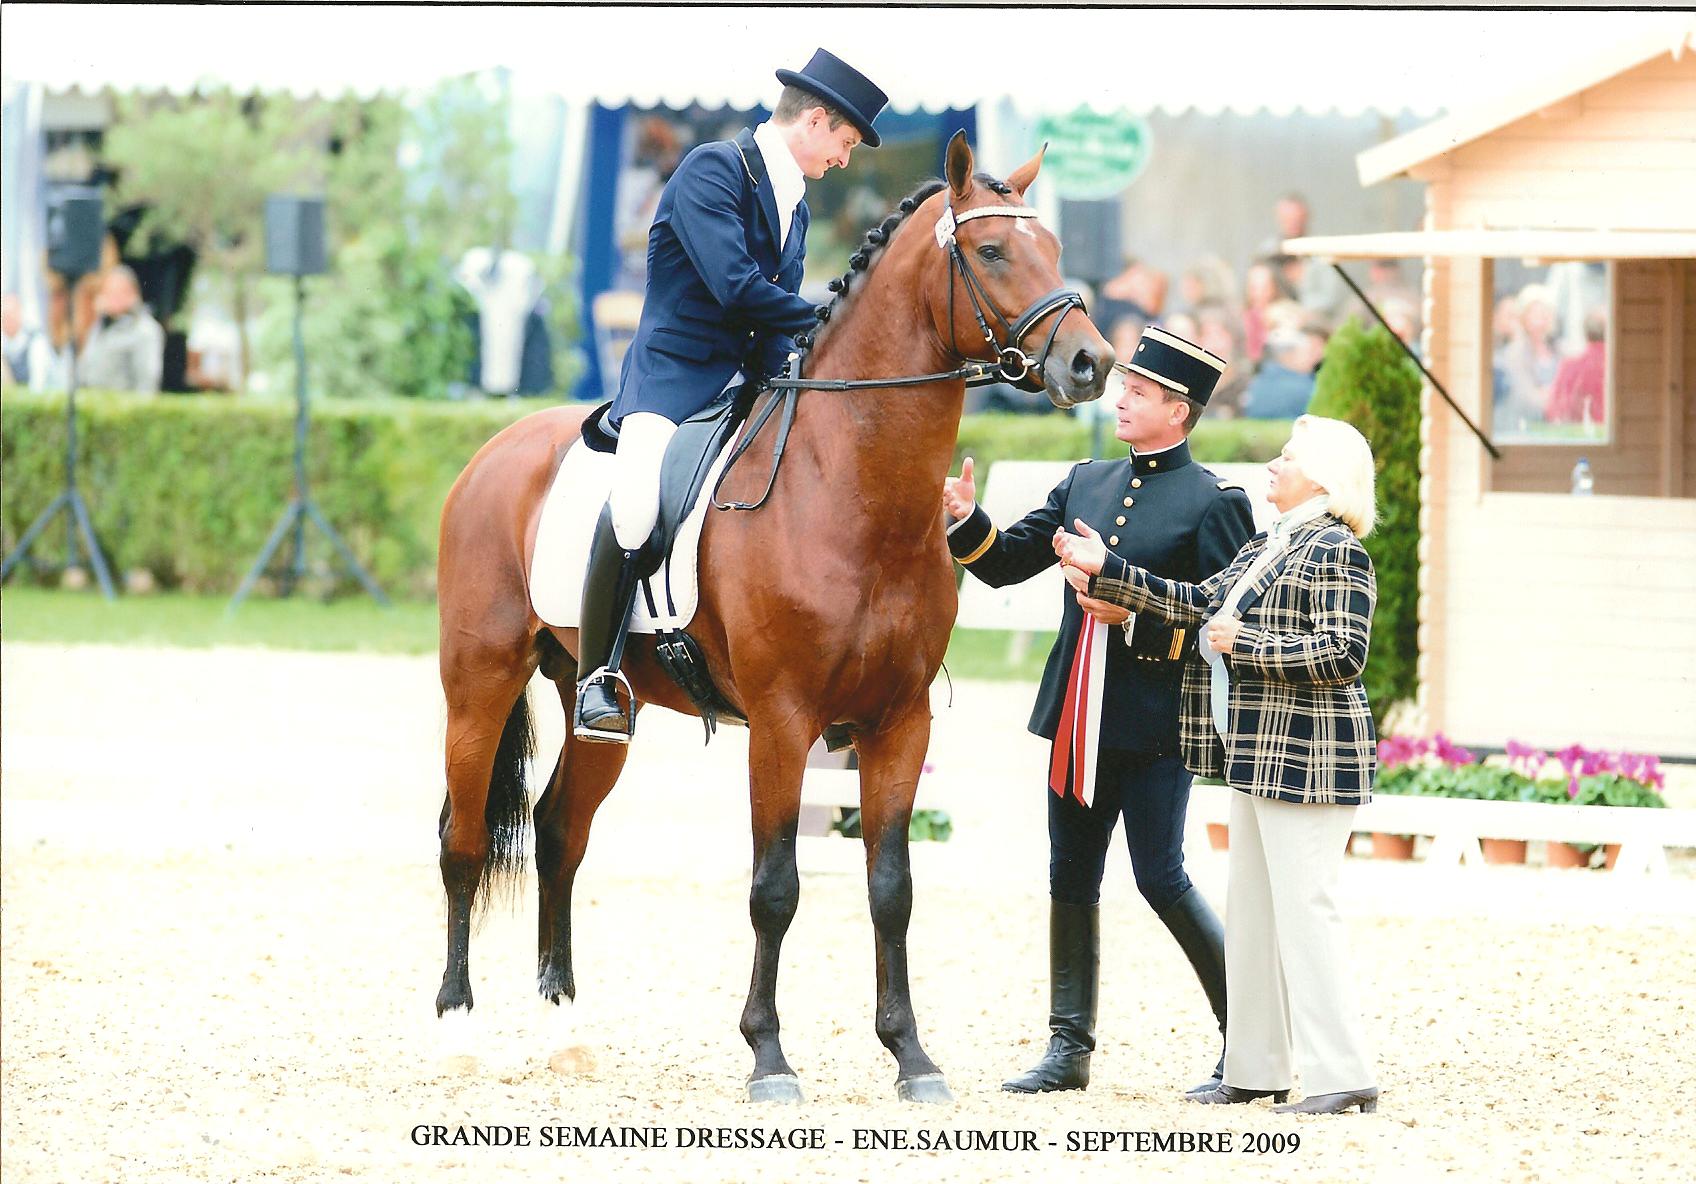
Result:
x=871 y=249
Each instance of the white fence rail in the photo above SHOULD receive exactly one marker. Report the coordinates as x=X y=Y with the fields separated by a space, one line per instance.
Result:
x=1457 y=824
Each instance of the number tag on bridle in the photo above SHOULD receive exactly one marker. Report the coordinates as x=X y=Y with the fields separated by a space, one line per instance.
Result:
x=945 y=228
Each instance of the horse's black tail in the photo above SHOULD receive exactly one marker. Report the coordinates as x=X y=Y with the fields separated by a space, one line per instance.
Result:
x=507 y=812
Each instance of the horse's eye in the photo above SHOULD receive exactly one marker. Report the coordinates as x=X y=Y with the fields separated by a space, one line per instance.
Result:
x=989 y=253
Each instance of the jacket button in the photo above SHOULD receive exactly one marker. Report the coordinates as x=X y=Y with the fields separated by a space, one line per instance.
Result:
x=1136 y=482
x=1113 y=542
x=1130 y=501
x=1154 y=464
x=1119 y=521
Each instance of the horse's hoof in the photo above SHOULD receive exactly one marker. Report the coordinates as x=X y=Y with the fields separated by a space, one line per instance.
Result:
x=929 y=1088
x=780 y=1087
x=453 y=997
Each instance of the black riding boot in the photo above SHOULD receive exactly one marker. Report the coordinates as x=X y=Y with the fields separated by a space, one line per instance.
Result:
x=1074 y=964
x=1199 y=934
x=609 y=592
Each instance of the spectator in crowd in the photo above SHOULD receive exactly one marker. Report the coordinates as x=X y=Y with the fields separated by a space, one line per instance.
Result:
x=1138 y=291
x=126 y=348
x=1209 y=281
x=1316 y=285
x=1263 y=287
x=1528 y=361
x=1218 y=331
x=1181 y=324
x=1403 y=321
x=1581 y=380
x=1283 y=385
x=659 y=149
x=28 y=352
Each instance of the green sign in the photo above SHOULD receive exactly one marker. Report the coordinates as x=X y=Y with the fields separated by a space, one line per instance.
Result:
x=1093 y=156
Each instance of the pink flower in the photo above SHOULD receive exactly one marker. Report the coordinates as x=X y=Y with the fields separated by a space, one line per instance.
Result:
x=1572 y=788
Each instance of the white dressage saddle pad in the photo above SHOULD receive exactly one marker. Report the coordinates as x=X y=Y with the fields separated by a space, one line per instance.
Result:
x=569 y=514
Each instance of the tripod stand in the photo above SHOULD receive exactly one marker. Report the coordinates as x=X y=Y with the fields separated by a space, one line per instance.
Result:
x=301 y=507
x=70 y=498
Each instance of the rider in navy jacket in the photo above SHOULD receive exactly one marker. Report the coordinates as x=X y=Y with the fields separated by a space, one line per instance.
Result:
x=725 y=256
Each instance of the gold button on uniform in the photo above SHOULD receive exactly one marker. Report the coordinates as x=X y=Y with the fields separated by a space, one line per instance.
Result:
x=1154 y=464
x=1120 y=520
x=1127 y=501
x=1114 y=541
x=1136 y=483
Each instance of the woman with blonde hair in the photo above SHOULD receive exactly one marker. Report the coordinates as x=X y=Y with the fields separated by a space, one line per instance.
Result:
x=1273 y=705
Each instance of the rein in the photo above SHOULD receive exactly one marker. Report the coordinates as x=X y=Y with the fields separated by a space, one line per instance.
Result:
x=1011 y=363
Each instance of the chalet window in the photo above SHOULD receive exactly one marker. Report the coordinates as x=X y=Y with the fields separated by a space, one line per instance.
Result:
x=1551 y=372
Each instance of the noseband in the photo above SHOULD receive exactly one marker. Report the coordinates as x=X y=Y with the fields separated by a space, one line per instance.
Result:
x=1013 y=362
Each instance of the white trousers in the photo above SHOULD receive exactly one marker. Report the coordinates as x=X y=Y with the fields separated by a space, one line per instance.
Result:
x=642 y=439
x=1290 y=997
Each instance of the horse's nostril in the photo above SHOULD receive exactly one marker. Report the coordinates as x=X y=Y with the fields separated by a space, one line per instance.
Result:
x=1084 y=366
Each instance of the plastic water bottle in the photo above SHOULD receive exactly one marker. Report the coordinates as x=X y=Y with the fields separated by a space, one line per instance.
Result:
x=1582 y=482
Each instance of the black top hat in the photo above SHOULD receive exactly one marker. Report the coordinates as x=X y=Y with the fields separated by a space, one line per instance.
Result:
x=844 y=87
x=1173 y=362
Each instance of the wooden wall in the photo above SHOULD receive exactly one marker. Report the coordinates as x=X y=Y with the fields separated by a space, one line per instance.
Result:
x=1620 y=155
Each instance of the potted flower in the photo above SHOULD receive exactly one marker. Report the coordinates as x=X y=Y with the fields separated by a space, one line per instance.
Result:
x=1593 y=778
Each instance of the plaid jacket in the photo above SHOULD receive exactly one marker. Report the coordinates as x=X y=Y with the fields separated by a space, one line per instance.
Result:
x=1300 y=728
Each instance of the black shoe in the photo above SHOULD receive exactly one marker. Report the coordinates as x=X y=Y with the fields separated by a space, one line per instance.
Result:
x=609 y=593
x=1074 y=963
x=1230 y=1095
x=1366 y=1099
x=1198 y=933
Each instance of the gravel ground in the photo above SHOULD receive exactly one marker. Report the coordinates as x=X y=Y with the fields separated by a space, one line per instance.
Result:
x=222 y=936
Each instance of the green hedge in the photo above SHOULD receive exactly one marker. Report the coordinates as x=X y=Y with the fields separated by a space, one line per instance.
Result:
x=1368 y=380
x=189 y=488
x=995 y=436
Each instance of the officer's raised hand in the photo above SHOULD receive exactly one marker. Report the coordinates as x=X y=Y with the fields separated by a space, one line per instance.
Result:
x=1083 y=550
x=960 y=494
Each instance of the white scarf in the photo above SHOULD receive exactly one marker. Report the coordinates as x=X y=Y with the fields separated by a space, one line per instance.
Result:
x=1277 y=542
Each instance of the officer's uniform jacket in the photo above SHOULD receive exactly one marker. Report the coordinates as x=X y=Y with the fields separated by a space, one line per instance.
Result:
x=722 y=286
x=1161 y=511
x=1300 y=729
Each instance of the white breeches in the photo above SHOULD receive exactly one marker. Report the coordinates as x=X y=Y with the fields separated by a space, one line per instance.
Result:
x=642 y=439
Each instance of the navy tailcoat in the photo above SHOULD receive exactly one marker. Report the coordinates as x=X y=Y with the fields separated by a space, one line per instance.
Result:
x=722 y=290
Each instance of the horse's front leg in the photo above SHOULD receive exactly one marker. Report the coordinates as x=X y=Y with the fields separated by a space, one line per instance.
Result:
x=777 y=756
x=890 y=761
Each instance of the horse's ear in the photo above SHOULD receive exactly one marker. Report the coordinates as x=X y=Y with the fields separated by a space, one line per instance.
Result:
x=1026 y=173
x=959 y=165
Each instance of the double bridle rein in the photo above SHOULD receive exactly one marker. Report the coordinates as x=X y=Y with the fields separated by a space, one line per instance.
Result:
x=1011 y=363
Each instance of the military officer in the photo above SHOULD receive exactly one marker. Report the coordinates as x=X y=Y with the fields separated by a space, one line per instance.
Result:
x=725 y=257
x=1110 y=692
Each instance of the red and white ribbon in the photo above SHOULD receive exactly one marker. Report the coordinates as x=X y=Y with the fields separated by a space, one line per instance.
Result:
x=1078 y=738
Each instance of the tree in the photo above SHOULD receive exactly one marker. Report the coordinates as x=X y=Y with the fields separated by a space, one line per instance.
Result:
x=1368 y=381
x=203 y=167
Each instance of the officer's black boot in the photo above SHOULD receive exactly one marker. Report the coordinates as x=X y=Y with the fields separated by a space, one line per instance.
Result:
x=1202 y=938
x=1074 y=964
x=609 y=592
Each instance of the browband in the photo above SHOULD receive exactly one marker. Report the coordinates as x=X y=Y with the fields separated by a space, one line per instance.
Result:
x=945 y=225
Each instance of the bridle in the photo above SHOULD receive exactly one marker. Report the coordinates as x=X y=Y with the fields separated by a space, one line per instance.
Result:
x=1010 y=364
x=1012 y=361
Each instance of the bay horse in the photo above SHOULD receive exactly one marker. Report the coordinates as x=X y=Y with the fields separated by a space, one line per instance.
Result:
x=830 y=605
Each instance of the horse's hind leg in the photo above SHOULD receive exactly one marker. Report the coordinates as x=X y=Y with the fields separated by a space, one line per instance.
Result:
x=776 y=760
x=583 y=777
x=890 y=761
x=488 y=749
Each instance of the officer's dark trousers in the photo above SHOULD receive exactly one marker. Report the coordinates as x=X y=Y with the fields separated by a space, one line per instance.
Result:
x=1152 y=794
